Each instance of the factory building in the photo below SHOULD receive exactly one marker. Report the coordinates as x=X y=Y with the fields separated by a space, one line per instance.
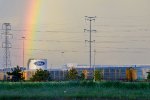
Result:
x=118 y=72
x=109 y=72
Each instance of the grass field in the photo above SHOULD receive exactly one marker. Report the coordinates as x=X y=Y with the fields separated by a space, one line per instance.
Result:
x=74 y=91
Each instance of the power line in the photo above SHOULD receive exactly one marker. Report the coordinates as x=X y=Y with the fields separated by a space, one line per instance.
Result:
x=46 y=31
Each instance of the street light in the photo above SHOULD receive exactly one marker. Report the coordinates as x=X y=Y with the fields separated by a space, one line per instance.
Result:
x=63 y=62
x=62 y=57
x=23 y=38
x=94 y=63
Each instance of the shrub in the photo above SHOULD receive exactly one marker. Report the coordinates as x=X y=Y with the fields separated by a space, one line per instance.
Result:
x=98 y=75
x=72 y=74
x=17 y=74
x=82 y=76
x=148 y=76
x=41 y=75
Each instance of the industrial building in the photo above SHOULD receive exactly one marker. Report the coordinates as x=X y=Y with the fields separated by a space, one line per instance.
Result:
x=109 y=72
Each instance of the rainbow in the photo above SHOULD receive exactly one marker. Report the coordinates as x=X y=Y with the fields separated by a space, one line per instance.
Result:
x=31 y=20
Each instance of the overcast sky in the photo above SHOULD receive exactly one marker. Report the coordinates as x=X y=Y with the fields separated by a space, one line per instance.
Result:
x=122 y=37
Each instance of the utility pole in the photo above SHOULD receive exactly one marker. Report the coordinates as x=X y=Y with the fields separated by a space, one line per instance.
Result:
x=90 y=30
x=94 y=63
x=23 y=38
x=62 y=54
x=6 y=45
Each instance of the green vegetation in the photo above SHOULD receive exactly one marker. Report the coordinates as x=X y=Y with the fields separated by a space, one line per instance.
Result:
x=72 y=74
x=41 y=75
x=17 y=74
x=148 y=76
x=79 y=89
x=82 y=76
x=98 y=75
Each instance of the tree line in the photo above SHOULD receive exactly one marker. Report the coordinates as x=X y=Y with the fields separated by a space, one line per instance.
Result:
x=44 y=75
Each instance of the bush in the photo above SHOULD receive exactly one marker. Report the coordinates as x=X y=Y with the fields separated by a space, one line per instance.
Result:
x=41 y=75
x=98 y=75
x=82 y=76
x=17 y=74
x=72 y=74
x=148 y=76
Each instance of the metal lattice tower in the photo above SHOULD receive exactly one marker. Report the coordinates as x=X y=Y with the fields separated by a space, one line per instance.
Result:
x=6 y=45
x=90 y=30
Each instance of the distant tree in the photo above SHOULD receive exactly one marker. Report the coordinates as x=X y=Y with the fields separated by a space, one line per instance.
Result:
x=17 y=74
x=98 y=75
x=41 y=75
x=148 y=76
x=131 y=74
x=72 y=74
x=85 y=73
x=82 y=77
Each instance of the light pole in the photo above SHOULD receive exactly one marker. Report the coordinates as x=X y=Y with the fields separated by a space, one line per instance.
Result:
x=63 y=63
x=62 y=57
x=94 y=63
x=23 y=38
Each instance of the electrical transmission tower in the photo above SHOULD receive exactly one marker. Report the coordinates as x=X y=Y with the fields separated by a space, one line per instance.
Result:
x=6 y=45
x=90 y=30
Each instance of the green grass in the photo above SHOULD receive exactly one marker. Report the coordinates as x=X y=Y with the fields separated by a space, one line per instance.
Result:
x=69 y=90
